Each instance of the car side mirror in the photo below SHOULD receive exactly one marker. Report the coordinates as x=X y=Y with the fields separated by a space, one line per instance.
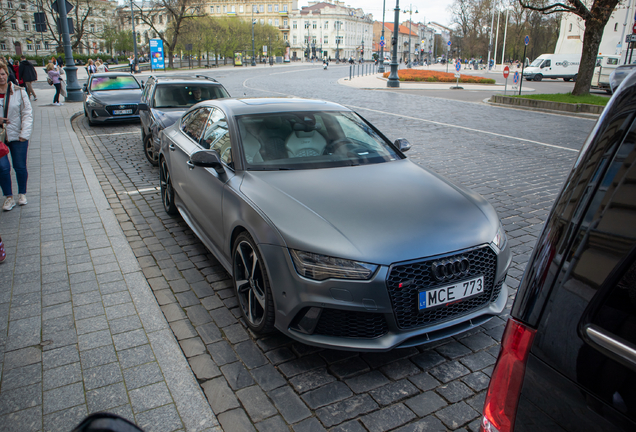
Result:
x=84 y=88
x=143 y=106
x=208 y=159
x=402 y=144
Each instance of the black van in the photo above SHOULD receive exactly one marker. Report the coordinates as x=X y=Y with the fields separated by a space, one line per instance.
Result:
x=568 y=355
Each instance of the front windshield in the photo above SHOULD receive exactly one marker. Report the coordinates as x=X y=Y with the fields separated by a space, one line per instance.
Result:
x=309 y=140
x=184 y=96
x=114 y=83
x=537 y=62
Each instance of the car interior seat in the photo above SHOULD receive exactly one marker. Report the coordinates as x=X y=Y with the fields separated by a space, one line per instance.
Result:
x=251 y=145
x=305 y=140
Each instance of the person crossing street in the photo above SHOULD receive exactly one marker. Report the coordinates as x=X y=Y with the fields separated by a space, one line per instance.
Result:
x=28 y=74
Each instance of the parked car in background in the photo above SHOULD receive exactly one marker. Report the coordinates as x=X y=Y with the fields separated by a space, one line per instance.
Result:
x=619 y=74
x=111 y=97
x=568 y=354
x=331 y=235
x=165 y=98
x=605 y=65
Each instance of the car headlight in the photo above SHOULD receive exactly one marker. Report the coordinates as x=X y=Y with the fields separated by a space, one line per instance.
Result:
x=321 y=267
x=500 y=238
x=94 y=103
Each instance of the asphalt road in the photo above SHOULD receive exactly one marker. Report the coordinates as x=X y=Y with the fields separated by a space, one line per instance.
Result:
x=516 y=159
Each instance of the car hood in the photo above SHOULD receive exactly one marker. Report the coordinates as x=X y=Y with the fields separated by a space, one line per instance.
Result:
x=168 y=116
x=119 y=97
x=381 y=213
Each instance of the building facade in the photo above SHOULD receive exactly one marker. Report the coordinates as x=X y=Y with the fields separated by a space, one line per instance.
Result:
x=18 y=34
x=404 y=36
x=330 y=30
x=613 y=42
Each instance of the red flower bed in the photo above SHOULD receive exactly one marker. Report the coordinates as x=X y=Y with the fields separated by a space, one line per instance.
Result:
x=436 y=76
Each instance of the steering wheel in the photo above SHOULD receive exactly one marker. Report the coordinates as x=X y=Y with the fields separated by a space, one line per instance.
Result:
x=335 y=145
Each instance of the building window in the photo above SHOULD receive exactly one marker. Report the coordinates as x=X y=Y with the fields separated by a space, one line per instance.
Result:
x=23 y=6
x=314 y=25
x=224 y=9
x=326 y=25
x=270 y=22
x=3 y=45
x=325 y=40
x=46 y=45
x=276 y=22
x=284 y=8
x=29 y=47
x=285 y=37
x=26 y=25
x=285 y=22
x=616 y=27
x=93 y=28
x=262 y=21
x=10 y=5
x=211 y=9
x=269 y=8
x=233 y=9
x=294 y=24
x=240 y=8
x=313 y=40
x=160 y=19
x=295 y=40
x=275 y=8
x=14 y=26
x=570 y=27
x=137 y=21
x=261 y=8
x=306 y=24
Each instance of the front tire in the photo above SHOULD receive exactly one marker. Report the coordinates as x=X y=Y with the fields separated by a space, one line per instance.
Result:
x=538 y=77
x=167 y=192
x=251 y=285
x=149 y=150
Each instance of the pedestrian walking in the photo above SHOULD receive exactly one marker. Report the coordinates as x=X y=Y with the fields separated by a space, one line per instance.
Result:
x=91 y=68
x=55 y=77
x=17 y=118
x=28 y=74
x=99 y=65
x=131 y=63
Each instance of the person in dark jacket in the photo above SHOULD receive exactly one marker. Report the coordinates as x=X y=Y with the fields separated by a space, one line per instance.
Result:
x=60 y=61
x=28 y=74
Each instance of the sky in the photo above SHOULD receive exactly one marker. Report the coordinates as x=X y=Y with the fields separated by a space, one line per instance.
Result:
x=429 y=10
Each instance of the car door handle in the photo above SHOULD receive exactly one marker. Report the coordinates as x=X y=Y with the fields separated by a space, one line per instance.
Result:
x=172 y=147
x=190 y=164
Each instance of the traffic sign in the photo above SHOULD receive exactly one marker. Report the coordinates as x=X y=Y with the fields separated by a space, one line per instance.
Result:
x=381 y=38
x=381 y=43
x=69 y=7
x=526 y=40
x=506 y=72
x=449 y=43
x=634 y=28
x=515 y=78
x=458 y=66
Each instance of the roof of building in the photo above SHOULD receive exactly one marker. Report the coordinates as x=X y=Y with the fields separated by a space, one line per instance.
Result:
x=402 y=29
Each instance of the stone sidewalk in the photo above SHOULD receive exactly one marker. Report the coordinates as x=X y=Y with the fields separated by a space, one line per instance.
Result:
x=81 y=331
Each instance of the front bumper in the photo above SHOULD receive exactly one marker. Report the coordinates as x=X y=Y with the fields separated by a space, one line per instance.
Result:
x=367 y=315
x=105 y=114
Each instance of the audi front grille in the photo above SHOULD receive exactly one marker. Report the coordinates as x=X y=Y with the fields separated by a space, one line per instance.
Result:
x=418 y=276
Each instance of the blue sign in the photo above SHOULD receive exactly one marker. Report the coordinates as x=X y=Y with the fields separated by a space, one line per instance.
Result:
x=449 y=43
x=382 y=43
x=381 y=38
x=458 y=66
x=526 y=40
x=515 y=78
x=156 y=54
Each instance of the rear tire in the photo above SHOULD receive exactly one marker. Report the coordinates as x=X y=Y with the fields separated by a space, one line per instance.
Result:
x=538 y=77
x=149 y=150
x=574 y=79
x=167 y=192
x=566 y=79
x=251 y=285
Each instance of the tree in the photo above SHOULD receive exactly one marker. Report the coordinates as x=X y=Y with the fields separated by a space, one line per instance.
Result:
x=7 y=14
x=177 y=12
x=595 y=18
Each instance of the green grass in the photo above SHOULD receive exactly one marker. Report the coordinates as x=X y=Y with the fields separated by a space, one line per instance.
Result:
x=568 y=98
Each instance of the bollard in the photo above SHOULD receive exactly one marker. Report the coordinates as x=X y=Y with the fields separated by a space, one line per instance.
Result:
x=349 y=72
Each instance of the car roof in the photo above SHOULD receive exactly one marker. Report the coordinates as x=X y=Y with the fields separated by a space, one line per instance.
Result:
x=184 y=79
x=241 y=106
x=110 y=74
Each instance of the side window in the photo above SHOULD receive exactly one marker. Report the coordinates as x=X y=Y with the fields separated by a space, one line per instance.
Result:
x=194 y=123
x=217 y=136
x=547 y=63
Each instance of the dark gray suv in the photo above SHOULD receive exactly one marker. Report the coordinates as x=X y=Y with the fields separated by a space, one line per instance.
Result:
x=165 y=99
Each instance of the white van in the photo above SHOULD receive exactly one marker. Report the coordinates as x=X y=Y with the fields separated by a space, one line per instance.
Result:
x=605 y=65
x=553 y=66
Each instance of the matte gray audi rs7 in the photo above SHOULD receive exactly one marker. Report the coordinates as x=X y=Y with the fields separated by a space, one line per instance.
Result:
x=331 y=235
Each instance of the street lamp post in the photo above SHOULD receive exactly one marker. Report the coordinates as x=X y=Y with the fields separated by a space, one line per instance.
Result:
x=394 y=80
x=253 y=49
x=73 y=90
x=134 y=35
x=410 y=11
x=337 y=40
x=381 y=67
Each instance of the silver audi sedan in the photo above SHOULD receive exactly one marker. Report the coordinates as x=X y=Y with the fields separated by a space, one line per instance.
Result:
x=331 y=235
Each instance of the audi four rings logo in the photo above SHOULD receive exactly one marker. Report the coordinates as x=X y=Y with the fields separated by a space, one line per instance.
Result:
x=448 y=269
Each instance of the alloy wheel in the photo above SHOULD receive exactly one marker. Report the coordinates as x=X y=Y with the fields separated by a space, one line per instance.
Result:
x=250 y=283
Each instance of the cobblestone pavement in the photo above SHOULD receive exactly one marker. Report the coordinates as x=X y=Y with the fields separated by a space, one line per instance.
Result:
x=273 y=383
